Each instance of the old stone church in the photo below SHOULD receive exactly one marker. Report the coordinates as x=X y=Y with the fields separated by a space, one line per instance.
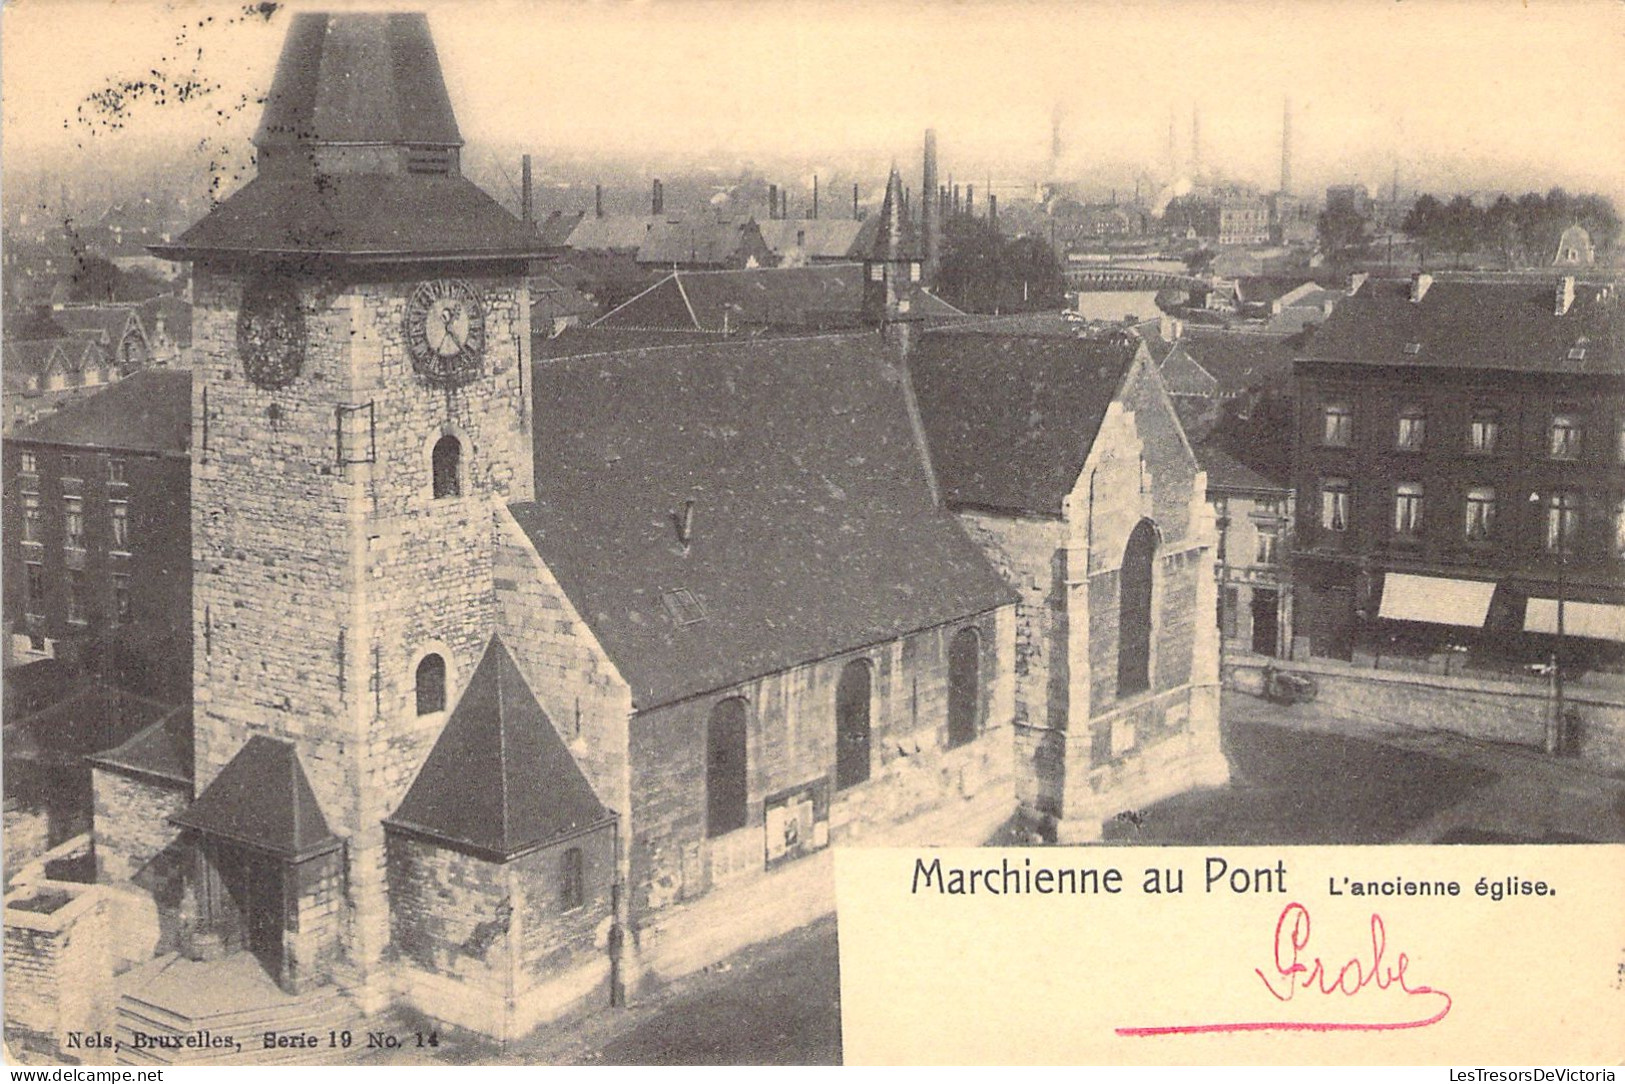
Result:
x=518 y=686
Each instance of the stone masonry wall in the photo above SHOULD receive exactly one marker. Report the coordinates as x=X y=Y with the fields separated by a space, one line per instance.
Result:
x=58 y=967
x=134 y=839
x=319 y=584
x=452 y=915
x=791 y=743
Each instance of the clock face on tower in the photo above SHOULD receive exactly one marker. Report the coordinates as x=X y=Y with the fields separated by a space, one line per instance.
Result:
x=445 y=332
x=271 y=333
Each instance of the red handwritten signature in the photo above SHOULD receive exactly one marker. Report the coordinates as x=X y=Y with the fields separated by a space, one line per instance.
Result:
x=1292 y=975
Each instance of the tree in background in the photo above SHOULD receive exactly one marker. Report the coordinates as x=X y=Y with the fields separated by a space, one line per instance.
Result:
x=982 y=271
x=1341 y=229
x=1423 y=223
x=1522 y=232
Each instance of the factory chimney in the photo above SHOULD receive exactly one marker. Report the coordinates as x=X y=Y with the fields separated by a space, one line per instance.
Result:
x=815 y=195
x=931 y=194
x=772 y=201
x=1196 y=141
x=598 y=201
x=527 y=206
x=1286 y=148
x=657 y=199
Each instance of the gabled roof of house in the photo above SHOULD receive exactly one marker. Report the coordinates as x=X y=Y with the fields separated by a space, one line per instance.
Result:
x=106 y=324
x=262 y=798
x=611 y=233
x=818 y=238
x=696 y=239
x=551 y=298
x=812 y=529
x=1010 y=419
x=1511 y=326
x=148 y=411
x=1237 y=360
x=1226 y=472
x=815 y=298
x=499 y=781
x=556 y=228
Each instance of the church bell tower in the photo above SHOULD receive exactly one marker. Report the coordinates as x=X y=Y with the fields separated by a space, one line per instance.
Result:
x=360 y=407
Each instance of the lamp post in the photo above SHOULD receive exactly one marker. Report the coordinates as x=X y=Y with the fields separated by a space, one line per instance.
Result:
x=1554 y=725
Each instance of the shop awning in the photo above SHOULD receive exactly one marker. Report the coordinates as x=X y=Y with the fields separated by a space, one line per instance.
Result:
x=1595 y=620
x=1435 y=599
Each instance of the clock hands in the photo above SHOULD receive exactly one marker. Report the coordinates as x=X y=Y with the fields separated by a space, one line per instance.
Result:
x=447 y=318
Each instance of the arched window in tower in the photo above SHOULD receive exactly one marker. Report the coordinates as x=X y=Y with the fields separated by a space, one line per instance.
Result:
x=1134 y=611
x=431 y=684
x=852 y=725
x=446 y=462
x=964 y=686
x=726 y=789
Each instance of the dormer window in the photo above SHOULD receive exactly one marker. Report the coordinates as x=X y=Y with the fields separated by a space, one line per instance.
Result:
x=1576 y=352
x=1413 y=348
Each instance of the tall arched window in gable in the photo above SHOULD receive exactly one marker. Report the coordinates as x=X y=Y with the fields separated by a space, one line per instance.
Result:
x=852 y=699
x=1134 y=611
x=726 y=788
x=964 y=686
x=431 y=684
x=446 y=462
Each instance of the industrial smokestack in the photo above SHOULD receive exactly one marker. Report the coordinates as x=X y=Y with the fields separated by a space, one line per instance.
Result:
x=772 y=201
x=931 y=193
x=527 y=207
x=1286 y=147
x=855 y=215
x=657 y=199
x=970 y=200
x=1196 y=140
x=598 y=201
x=993 y=210
x=815 y=195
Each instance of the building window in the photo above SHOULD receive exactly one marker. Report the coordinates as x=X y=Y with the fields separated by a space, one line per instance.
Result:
x=30 y=463
x=1408 y=509
x=1268 y=543
x=446 y=462
x=914 y=272
x=964 y=687
x=1412 y=428
x=1619 y=441
x=877 y=272
x=431 y=684
x=852 y=698
x=34 y=584
x=726 y=784
x=1338 y=427
x=1565 y=437
x=121 y=598
x=33 y=519
x=572 y=880
x=70 y=466
x=76 y=596
x=1619 y=529
x=1334 y=504
x=1134 y=611
x=115 y=472
x=1482 y=432
x=74 y=522
x=1562 y=522
x=1480 y=513
x=120 y=511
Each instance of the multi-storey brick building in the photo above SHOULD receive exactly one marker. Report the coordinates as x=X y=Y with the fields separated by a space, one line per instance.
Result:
x=1460 y=466
x=98 y=563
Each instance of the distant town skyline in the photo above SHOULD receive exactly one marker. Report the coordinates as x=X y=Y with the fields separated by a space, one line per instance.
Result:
x=1454 y=96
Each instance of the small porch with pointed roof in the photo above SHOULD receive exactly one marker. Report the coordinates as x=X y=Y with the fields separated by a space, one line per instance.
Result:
x=500 y=782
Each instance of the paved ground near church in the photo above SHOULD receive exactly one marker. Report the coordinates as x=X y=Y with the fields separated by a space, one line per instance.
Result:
x=1300 y=776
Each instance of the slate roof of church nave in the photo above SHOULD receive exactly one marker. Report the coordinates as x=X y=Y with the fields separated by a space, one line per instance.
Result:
x=813 y=529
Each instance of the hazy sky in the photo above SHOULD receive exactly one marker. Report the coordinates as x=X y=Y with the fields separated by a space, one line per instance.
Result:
x=1476 y=93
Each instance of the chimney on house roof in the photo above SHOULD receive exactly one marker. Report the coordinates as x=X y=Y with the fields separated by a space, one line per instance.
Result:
x=1565 y=295
x=1420 y=282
